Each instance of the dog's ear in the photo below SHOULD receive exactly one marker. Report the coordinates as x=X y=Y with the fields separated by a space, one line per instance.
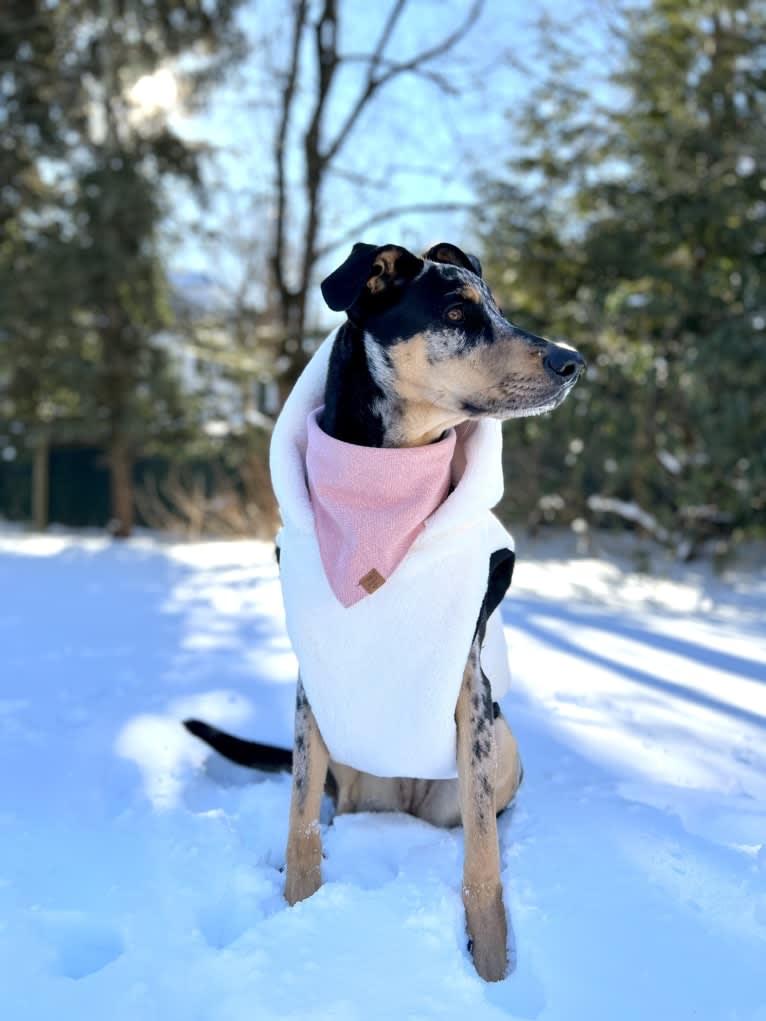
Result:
x=369 y=269
x=445 y=252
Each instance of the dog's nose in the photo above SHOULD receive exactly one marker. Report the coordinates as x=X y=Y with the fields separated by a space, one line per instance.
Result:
x=563 y=361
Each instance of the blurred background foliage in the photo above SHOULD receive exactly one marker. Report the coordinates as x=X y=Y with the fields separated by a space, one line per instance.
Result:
x=177 y=176
x=633 y=223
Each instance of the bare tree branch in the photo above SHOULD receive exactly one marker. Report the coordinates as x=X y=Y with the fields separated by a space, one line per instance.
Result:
x=383 y=180
x=438 y=79
x=318 y=153
x=352 y=234
x=376 y=82
x=429 y=73
x=356 y=177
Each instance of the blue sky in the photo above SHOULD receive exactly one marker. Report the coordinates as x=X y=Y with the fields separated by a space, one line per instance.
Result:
x=418 y=143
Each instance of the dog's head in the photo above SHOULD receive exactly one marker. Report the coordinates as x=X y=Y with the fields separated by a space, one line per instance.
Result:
x=434 y=334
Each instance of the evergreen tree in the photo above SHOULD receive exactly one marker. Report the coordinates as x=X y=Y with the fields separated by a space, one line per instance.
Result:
x=636 y=228
x=82 y=289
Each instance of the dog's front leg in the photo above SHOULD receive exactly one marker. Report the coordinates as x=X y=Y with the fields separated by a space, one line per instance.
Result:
x=304 y=841
x=477 y=768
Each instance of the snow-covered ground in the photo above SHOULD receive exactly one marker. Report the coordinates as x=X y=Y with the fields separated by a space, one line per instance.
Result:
x=139 y=875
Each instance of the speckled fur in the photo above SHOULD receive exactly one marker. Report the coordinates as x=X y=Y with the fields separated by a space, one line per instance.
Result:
x=405 y=367
x=399 y=379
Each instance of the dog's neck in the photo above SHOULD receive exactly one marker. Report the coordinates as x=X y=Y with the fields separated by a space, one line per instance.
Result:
x=369 y=412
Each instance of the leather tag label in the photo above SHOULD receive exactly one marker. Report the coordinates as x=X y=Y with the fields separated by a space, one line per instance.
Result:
x=372 y=581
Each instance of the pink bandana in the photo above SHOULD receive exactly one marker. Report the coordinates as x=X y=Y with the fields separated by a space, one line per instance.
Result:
x=370 y=505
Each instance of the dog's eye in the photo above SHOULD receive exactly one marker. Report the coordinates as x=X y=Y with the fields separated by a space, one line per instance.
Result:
x=455 y=314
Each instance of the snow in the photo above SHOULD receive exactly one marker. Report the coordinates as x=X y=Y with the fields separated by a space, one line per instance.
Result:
x=139 y=873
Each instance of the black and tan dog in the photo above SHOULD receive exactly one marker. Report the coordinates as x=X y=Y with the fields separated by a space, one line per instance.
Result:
x=424 y=348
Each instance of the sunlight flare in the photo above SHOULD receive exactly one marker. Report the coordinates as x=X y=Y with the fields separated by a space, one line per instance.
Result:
x=156 y=93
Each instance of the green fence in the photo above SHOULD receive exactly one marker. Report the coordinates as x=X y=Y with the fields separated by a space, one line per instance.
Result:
x=79 y=485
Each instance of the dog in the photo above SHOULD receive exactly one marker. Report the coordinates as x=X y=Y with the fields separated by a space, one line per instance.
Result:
x=424 y=350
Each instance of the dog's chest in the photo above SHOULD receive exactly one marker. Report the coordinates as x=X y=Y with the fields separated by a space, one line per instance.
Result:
x=383 y=675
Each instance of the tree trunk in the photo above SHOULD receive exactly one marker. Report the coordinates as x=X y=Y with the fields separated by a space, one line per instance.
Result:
x=41 y=482
x=121 y=481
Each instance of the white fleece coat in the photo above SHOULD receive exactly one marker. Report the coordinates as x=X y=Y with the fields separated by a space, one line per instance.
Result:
x=383 y=675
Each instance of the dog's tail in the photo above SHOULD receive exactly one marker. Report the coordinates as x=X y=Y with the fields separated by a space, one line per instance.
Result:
x=244 y=753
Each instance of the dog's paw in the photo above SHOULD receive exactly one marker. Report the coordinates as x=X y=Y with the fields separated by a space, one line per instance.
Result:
x=304 y=864
x=301 y=883
x=490 y=961
x=488 y=937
